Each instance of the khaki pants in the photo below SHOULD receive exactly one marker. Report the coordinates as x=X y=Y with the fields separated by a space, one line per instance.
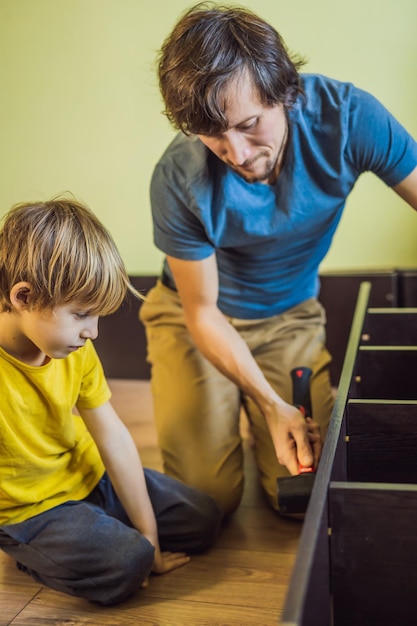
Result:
x=197 y=409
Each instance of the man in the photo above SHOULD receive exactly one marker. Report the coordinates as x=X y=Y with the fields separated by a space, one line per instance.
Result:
x=245 y=203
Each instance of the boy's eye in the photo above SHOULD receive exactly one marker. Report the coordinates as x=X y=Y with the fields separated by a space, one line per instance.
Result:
x=82 y=315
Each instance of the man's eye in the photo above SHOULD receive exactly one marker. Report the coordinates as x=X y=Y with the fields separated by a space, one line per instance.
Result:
x=249 y=125
x=82 y=316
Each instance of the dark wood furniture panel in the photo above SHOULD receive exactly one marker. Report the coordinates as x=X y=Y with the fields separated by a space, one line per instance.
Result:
x=309 y=598
x=356 y=561
x=407 y=287
x=338 y=294
x=121 y=343
x=390 y=327
x=381 y=441
x=385 y=372
x=373 y=547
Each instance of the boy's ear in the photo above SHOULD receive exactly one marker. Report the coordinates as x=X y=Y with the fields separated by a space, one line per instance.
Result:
x=20 y=295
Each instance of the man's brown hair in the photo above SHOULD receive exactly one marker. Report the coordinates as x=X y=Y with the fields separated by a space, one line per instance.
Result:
x=211 y=45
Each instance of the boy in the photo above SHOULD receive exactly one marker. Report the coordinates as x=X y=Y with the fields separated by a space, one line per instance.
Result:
x=77 y=510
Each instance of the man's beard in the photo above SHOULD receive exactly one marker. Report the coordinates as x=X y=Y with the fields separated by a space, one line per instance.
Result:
x=269 y=169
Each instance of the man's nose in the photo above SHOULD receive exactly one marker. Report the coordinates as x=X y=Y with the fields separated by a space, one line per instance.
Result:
x=236 y=149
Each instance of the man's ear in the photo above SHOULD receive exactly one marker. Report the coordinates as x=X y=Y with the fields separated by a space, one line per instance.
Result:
x=20 y=295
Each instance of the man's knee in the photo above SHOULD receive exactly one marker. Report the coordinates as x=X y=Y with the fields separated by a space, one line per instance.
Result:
x=226 y=493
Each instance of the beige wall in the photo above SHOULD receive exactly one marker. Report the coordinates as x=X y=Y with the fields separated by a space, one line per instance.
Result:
x=80 y=109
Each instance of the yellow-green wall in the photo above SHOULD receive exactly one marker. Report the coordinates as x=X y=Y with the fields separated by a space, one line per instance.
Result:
x=80 y=108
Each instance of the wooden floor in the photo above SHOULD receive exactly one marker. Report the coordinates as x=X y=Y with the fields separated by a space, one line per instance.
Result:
x=241 y=581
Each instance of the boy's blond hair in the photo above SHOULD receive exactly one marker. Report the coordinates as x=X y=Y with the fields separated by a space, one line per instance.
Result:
x=65 y=253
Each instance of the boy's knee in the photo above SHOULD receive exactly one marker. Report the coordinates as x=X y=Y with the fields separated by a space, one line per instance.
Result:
x=108 y=577
x=128 y=568
x=206 y=521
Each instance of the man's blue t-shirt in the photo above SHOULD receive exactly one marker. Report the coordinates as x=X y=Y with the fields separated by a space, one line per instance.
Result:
x=269 y=240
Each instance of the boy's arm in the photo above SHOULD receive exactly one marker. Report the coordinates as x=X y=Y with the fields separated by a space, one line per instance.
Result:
x=124 y=467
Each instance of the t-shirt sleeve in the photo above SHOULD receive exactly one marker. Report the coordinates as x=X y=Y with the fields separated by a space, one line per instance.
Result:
x=377 y=141
x=177 y=229
x=94 y=389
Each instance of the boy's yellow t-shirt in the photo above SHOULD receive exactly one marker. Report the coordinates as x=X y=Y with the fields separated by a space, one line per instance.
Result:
x=47 y=455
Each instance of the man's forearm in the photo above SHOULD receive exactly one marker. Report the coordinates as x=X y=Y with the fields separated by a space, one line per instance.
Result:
x=222 y=345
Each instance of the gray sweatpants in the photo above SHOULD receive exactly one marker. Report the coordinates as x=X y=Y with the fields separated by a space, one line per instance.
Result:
x=88 y=548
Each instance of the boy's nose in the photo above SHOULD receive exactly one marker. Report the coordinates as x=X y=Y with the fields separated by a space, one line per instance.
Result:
x=91 y=330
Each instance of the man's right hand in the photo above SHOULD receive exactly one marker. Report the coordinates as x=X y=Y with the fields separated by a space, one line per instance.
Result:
x=297 y=441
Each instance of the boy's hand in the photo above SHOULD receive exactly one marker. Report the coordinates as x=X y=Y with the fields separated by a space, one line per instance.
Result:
x=167 y=561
